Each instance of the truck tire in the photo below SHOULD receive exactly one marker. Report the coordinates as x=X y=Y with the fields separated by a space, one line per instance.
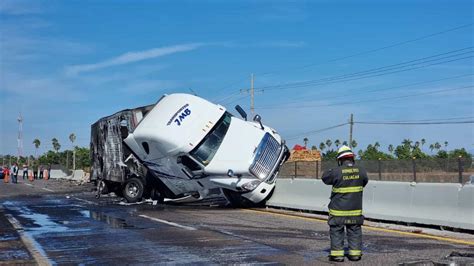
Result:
x=133 y=190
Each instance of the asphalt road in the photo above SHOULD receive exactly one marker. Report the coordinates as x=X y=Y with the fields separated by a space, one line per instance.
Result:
x=51 y=222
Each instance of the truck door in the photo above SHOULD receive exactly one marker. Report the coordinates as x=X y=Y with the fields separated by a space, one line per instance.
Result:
x=191 y=167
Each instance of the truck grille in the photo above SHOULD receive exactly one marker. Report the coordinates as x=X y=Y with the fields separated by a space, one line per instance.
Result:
x=266 y=158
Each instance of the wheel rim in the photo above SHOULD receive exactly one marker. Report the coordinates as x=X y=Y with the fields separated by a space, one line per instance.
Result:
x=132 y=189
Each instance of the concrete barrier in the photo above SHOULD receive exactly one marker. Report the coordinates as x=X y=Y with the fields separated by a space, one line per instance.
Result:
x=303 y=194
x=56 y=173
x=445 y=204
x=77 y=175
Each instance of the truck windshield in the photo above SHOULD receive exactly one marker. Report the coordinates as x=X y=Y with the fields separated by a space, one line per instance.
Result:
x=206 y=150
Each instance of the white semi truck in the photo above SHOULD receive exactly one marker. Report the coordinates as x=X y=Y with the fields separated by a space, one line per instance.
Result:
x=181 y=148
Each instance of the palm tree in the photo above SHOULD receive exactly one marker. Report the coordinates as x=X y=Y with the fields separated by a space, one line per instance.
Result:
x=56 y=145
x=446 y=145
x=337 y=143
x=423 y=141
x=432 y=147
x=390 y=148
x=437 y=146
x=354 y=143
x=345 y=143
x=376 y=145
x=37 y=144
x=417 y=144
x=72 y=138
x=305 y=140
x=407 y=142
x=322 y=146
x=328 y=143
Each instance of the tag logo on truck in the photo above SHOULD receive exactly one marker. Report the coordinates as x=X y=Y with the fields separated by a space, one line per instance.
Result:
x=180 y=115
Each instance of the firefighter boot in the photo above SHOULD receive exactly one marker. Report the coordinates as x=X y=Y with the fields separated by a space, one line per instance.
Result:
x=336 y=258
x=354 y=258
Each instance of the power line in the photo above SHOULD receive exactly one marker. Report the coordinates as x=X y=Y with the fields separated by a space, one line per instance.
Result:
x=316 y=131
x=356 y=54
x=417 y=123
x=363 y=101
x=230 y=96
x=412 y=122
x=390 y=88
x=425 y=120
x=236 y=100
x=376 y=49
x=374 y=72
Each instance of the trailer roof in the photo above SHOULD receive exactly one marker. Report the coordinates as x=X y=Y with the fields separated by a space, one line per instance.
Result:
x=105 y=118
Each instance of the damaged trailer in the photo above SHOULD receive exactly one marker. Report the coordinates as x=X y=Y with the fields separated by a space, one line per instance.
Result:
x=182 y=148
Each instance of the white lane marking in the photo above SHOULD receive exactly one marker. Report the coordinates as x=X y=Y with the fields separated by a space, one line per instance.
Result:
x=168 y=223
x=33 y=247
x=47 y=189
x=86 y=201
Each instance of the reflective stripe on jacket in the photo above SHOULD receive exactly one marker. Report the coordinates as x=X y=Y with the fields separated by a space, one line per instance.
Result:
x=348 y=182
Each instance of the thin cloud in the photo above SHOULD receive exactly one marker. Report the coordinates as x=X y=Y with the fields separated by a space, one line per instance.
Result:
x=132 y=57
x=20 y=7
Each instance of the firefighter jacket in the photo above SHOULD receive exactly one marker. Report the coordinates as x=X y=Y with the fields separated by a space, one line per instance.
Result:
x=348 y=182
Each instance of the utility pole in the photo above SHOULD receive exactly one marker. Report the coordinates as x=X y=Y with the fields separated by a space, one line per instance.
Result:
x=20 y=137
x=251 y=91
x=351 y=123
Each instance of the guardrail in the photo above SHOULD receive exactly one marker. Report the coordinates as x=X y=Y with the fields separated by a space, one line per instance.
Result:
x=448 y=204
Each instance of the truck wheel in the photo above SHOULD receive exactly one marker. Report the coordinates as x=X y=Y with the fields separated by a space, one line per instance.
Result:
x=133 y=190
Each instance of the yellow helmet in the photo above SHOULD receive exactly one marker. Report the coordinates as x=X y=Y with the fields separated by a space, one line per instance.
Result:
x=344 y=152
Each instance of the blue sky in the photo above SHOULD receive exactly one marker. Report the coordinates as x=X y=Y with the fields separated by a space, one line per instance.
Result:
x=65 y=64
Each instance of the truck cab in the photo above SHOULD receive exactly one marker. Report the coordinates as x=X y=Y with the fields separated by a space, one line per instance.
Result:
x=193 y=146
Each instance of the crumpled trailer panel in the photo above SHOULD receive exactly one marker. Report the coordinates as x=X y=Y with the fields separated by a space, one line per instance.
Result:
x=107 y=150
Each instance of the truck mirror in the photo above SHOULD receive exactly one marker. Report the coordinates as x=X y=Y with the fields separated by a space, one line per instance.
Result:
x=258 y=118
x=230 y=173
x=241 y=112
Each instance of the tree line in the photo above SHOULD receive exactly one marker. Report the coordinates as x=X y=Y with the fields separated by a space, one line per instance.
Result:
x=74 y=158
x=407 y=149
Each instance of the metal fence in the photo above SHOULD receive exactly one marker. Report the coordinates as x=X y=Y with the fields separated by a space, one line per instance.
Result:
x=433 y=170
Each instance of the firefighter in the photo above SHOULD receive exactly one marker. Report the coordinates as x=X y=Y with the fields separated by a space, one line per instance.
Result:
x=345 y=208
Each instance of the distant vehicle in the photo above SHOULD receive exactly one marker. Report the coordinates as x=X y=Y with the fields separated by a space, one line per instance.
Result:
x=181 y=148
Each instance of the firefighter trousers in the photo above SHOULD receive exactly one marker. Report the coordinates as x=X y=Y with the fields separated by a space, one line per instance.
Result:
x=354 y=239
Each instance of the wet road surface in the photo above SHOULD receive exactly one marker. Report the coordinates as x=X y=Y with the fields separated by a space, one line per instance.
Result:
x=76 y=228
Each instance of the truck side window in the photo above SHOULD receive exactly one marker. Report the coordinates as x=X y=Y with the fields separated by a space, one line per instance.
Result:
x=190 y=163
